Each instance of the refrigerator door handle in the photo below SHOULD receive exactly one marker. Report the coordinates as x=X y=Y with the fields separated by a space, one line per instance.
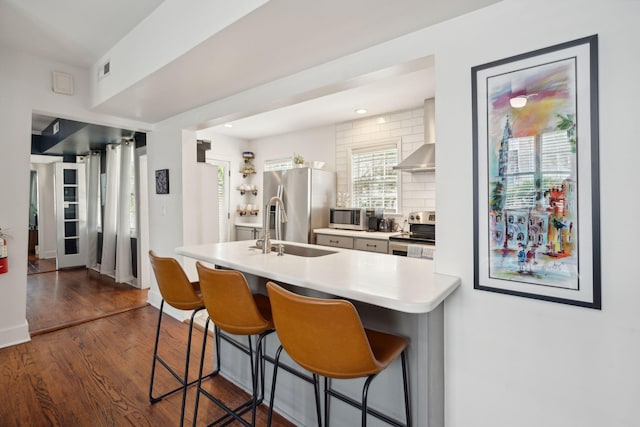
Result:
x=279 y=223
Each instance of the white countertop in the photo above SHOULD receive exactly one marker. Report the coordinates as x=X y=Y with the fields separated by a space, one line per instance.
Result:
x=377 y=235
x=399 y=283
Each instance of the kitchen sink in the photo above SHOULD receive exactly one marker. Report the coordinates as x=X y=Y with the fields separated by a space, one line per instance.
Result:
x=298 y=250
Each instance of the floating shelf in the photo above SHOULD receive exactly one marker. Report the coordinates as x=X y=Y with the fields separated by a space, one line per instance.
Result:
x=244 y=212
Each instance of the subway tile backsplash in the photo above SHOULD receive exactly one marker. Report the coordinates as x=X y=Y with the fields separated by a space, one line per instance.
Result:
x=418 y=190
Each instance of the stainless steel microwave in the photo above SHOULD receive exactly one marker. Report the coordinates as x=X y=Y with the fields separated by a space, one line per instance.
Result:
x=352 y=218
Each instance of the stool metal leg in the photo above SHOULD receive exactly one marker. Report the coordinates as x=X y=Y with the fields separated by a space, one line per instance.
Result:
x=405 y=382
x=184 y=381
x=257 y=381
x=365 y=395
x=276 y=364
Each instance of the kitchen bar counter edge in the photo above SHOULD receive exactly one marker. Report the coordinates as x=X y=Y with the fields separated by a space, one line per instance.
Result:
x=399 y=283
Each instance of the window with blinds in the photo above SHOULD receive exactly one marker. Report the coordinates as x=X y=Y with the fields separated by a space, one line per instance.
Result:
x=222 y=189
x=374 y=183
x=278 y=164
x=536 y=164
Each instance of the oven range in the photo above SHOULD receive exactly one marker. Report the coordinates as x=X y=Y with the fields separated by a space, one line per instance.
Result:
x=420 y=241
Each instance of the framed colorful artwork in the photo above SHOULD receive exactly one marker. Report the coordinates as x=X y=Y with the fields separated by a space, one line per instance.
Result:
x=536 y=174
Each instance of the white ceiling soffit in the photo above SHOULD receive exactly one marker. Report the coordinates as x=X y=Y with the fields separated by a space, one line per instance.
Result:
x=401 y=88
x=74 y=32
x=278 y=39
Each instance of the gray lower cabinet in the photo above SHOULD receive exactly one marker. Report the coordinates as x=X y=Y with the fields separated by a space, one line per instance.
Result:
x=335 y=241
x=371 y=245
x=247 y=232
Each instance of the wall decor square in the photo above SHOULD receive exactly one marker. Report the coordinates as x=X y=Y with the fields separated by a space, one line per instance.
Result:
x=536 y=174
x=162 y=181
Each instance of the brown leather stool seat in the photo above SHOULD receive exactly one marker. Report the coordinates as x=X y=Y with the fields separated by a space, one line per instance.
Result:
x=326 y=337
x=235 y=310
x=180 y=293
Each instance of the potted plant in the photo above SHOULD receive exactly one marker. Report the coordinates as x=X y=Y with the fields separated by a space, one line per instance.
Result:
x=298 y=160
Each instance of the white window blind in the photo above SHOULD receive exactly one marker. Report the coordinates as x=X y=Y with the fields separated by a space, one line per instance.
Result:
x=520 y=178
x=374 y=183
x=536 y=164
x=222 y=189
x=278 y=164
x=222 y=203
x=555 y=159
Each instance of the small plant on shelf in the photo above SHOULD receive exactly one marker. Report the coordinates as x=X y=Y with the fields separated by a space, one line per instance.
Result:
x=298 y=159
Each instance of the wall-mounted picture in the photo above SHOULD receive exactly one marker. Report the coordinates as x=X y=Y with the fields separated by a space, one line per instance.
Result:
x=162 y=181
x=536 y=178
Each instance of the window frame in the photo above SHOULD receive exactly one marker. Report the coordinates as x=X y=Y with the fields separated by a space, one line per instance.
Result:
x=371 y=147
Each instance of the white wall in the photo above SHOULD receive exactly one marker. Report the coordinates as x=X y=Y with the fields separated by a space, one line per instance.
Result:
x=25 y=87
x=519 y=362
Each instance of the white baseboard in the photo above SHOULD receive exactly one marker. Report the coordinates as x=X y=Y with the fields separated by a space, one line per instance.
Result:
x=15 y=335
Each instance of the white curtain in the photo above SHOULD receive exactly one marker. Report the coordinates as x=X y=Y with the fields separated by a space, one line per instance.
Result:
x=124 y=273
x=93 y=207
x=116 y=234
x=110 y=219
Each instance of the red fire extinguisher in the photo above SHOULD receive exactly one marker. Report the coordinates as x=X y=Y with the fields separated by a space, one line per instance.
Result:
x=4 y=263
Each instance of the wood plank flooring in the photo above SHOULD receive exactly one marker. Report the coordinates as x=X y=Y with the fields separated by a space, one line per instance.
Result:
x=97 y=374
x=37 y=265
x=93 y=368
x=69 y=297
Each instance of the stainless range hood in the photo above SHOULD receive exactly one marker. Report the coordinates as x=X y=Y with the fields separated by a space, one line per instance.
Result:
x=424 y=158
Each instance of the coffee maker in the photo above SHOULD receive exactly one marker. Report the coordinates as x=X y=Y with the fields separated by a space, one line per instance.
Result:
x=374 y=216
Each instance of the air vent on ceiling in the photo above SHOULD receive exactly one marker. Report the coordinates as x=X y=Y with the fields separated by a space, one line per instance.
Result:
x=62 y=83
x=105 y=70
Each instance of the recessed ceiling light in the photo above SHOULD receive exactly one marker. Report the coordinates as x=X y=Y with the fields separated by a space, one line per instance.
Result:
x=361 y=111
x=228 y=125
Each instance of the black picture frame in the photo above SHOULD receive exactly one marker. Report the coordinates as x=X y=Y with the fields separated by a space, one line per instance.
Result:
x=162 y=181
x=536 y=174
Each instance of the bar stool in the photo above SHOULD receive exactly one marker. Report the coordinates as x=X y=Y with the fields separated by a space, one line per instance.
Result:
x=326 y=337
x=180 y=293
x=235 y=310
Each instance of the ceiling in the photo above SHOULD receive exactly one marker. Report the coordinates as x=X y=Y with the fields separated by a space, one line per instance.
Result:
x=278 y=39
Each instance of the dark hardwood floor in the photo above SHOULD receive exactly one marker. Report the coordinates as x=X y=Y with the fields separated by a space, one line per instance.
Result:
x=93 y=369
x=64 y=298
x=36 y=265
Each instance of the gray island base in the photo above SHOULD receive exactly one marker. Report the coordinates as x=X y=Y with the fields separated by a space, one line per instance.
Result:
x=393 y=294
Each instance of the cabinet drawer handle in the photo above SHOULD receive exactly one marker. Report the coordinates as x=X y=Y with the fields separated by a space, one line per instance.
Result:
x=334 y=241
x=371 y=246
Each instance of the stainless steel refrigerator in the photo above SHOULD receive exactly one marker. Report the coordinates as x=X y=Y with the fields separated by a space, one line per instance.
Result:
x=307 y=194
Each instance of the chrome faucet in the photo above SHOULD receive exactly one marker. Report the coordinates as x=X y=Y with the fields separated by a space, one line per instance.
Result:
x=266 y=241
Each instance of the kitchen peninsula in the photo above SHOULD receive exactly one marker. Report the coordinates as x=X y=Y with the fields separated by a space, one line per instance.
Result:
x=394 y=294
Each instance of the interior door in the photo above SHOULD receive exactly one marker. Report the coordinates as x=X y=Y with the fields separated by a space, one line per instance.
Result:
x=71 y=214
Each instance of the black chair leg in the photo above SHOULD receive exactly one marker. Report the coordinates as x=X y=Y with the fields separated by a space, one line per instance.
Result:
x=365 y=395
x=316 y=392
x=183 y=380
x=405 y=382
x=276 y=363
x=327 y=400
x=155 y=356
